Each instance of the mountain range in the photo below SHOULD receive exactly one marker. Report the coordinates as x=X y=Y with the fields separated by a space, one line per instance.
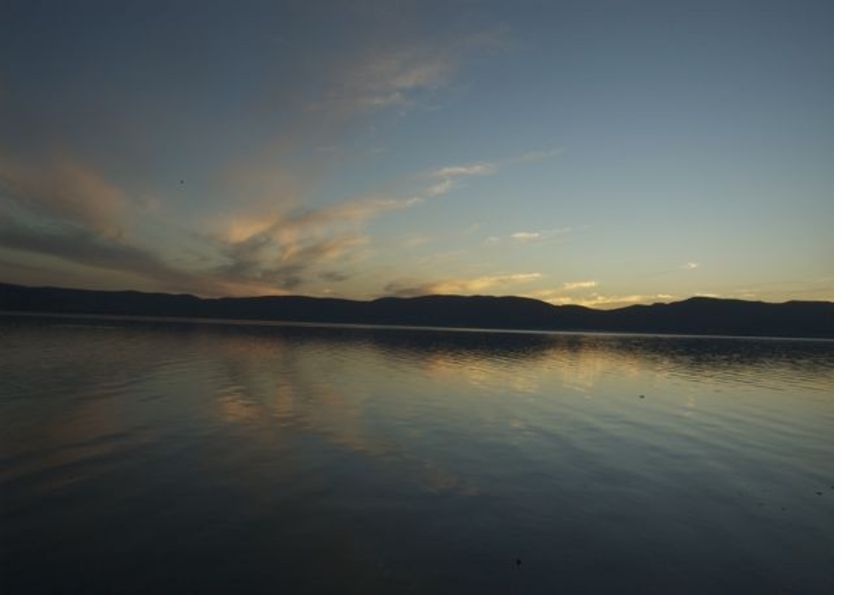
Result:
x=697 y=315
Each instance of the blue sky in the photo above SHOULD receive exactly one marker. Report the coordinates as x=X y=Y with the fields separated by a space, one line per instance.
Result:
x=595 y=152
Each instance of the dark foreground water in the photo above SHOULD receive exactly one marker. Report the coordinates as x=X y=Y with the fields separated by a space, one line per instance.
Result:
x=161 y=457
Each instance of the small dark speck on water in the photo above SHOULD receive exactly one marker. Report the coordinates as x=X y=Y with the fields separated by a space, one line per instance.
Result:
x=818 y=493
x=518 y=562
x=642 y=396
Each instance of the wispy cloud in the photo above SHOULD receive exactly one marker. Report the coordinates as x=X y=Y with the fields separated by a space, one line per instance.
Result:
x=64 y=192
x=266 y=260
x=268 y=242
x=571 y=285
x=285 y=250
x=68 y=210
x=619 y=301
x=269 y=247
x=560 y=295
x=472 y=169
x=461 y=286
x=391 y=78
x=445 y=179
x=72 y=212
x=570 y=293
x=248 y=220
x=107 y=253
x=525 y=236
x=399 y=74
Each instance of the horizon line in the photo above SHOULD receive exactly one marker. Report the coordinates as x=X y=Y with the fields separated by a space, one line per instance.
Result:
x=422 y=296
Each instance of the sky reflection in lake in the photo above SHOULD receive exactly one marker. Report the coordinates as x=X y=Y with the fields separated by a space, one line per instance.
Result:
x=179 y=457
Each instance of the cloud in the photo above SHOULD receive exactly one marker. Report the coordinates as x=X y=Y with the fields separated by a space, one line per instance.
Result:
x=445 y=178
x=393 y=78
x=69 y=211
x=266 y=262
x=618 y=301
x=66 y=209
x=561 y=296
x=525 y=236
x=398 y=74
x=464 y=286
x=385 y=77
x=690 y=266
x=85 y=247
x=291 y=106
x=287 y=228
x=614 y=301
x=571 y=285
x=63 y=192
x=334 y=276
x=472 y=169
x=287 y=249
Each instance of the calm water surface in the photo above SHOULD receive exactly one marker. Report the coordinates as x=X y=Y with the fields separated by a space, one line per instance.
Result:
x=151 y=457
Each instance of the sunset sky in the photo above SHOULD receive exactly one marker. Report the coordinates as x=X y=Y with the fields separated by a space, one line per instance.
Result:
x=593 y=152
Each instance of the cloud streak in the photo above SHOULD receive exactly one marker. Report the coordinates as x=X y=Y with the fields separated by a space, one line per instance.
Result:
x=87 y=248
x=62 y=192
x=561 y=296
x=445 y=179
x=398 y=74
x=65 y=209
x=284 y=250
x=462 y=286
x=525 y=237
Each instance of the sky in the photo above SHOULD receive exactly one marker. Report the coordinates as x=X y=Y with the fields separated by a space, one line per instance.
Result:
x=595 y=152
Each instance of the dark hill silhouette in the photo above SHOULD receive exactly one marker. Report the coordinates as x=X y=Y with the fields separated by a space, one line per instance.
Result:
x=702 y=316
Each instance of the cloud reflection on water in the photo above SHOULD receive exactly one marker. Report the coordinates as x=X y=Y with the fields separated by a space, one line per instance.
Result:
x=370 y=451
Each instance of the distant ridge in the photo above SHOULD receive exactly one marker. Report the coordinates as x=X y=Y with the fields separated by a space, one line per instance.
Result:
x=697 y=316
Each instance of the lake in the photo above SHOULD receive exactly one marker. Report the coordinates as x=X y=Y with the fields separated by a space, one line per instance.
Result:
x=193 y=457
